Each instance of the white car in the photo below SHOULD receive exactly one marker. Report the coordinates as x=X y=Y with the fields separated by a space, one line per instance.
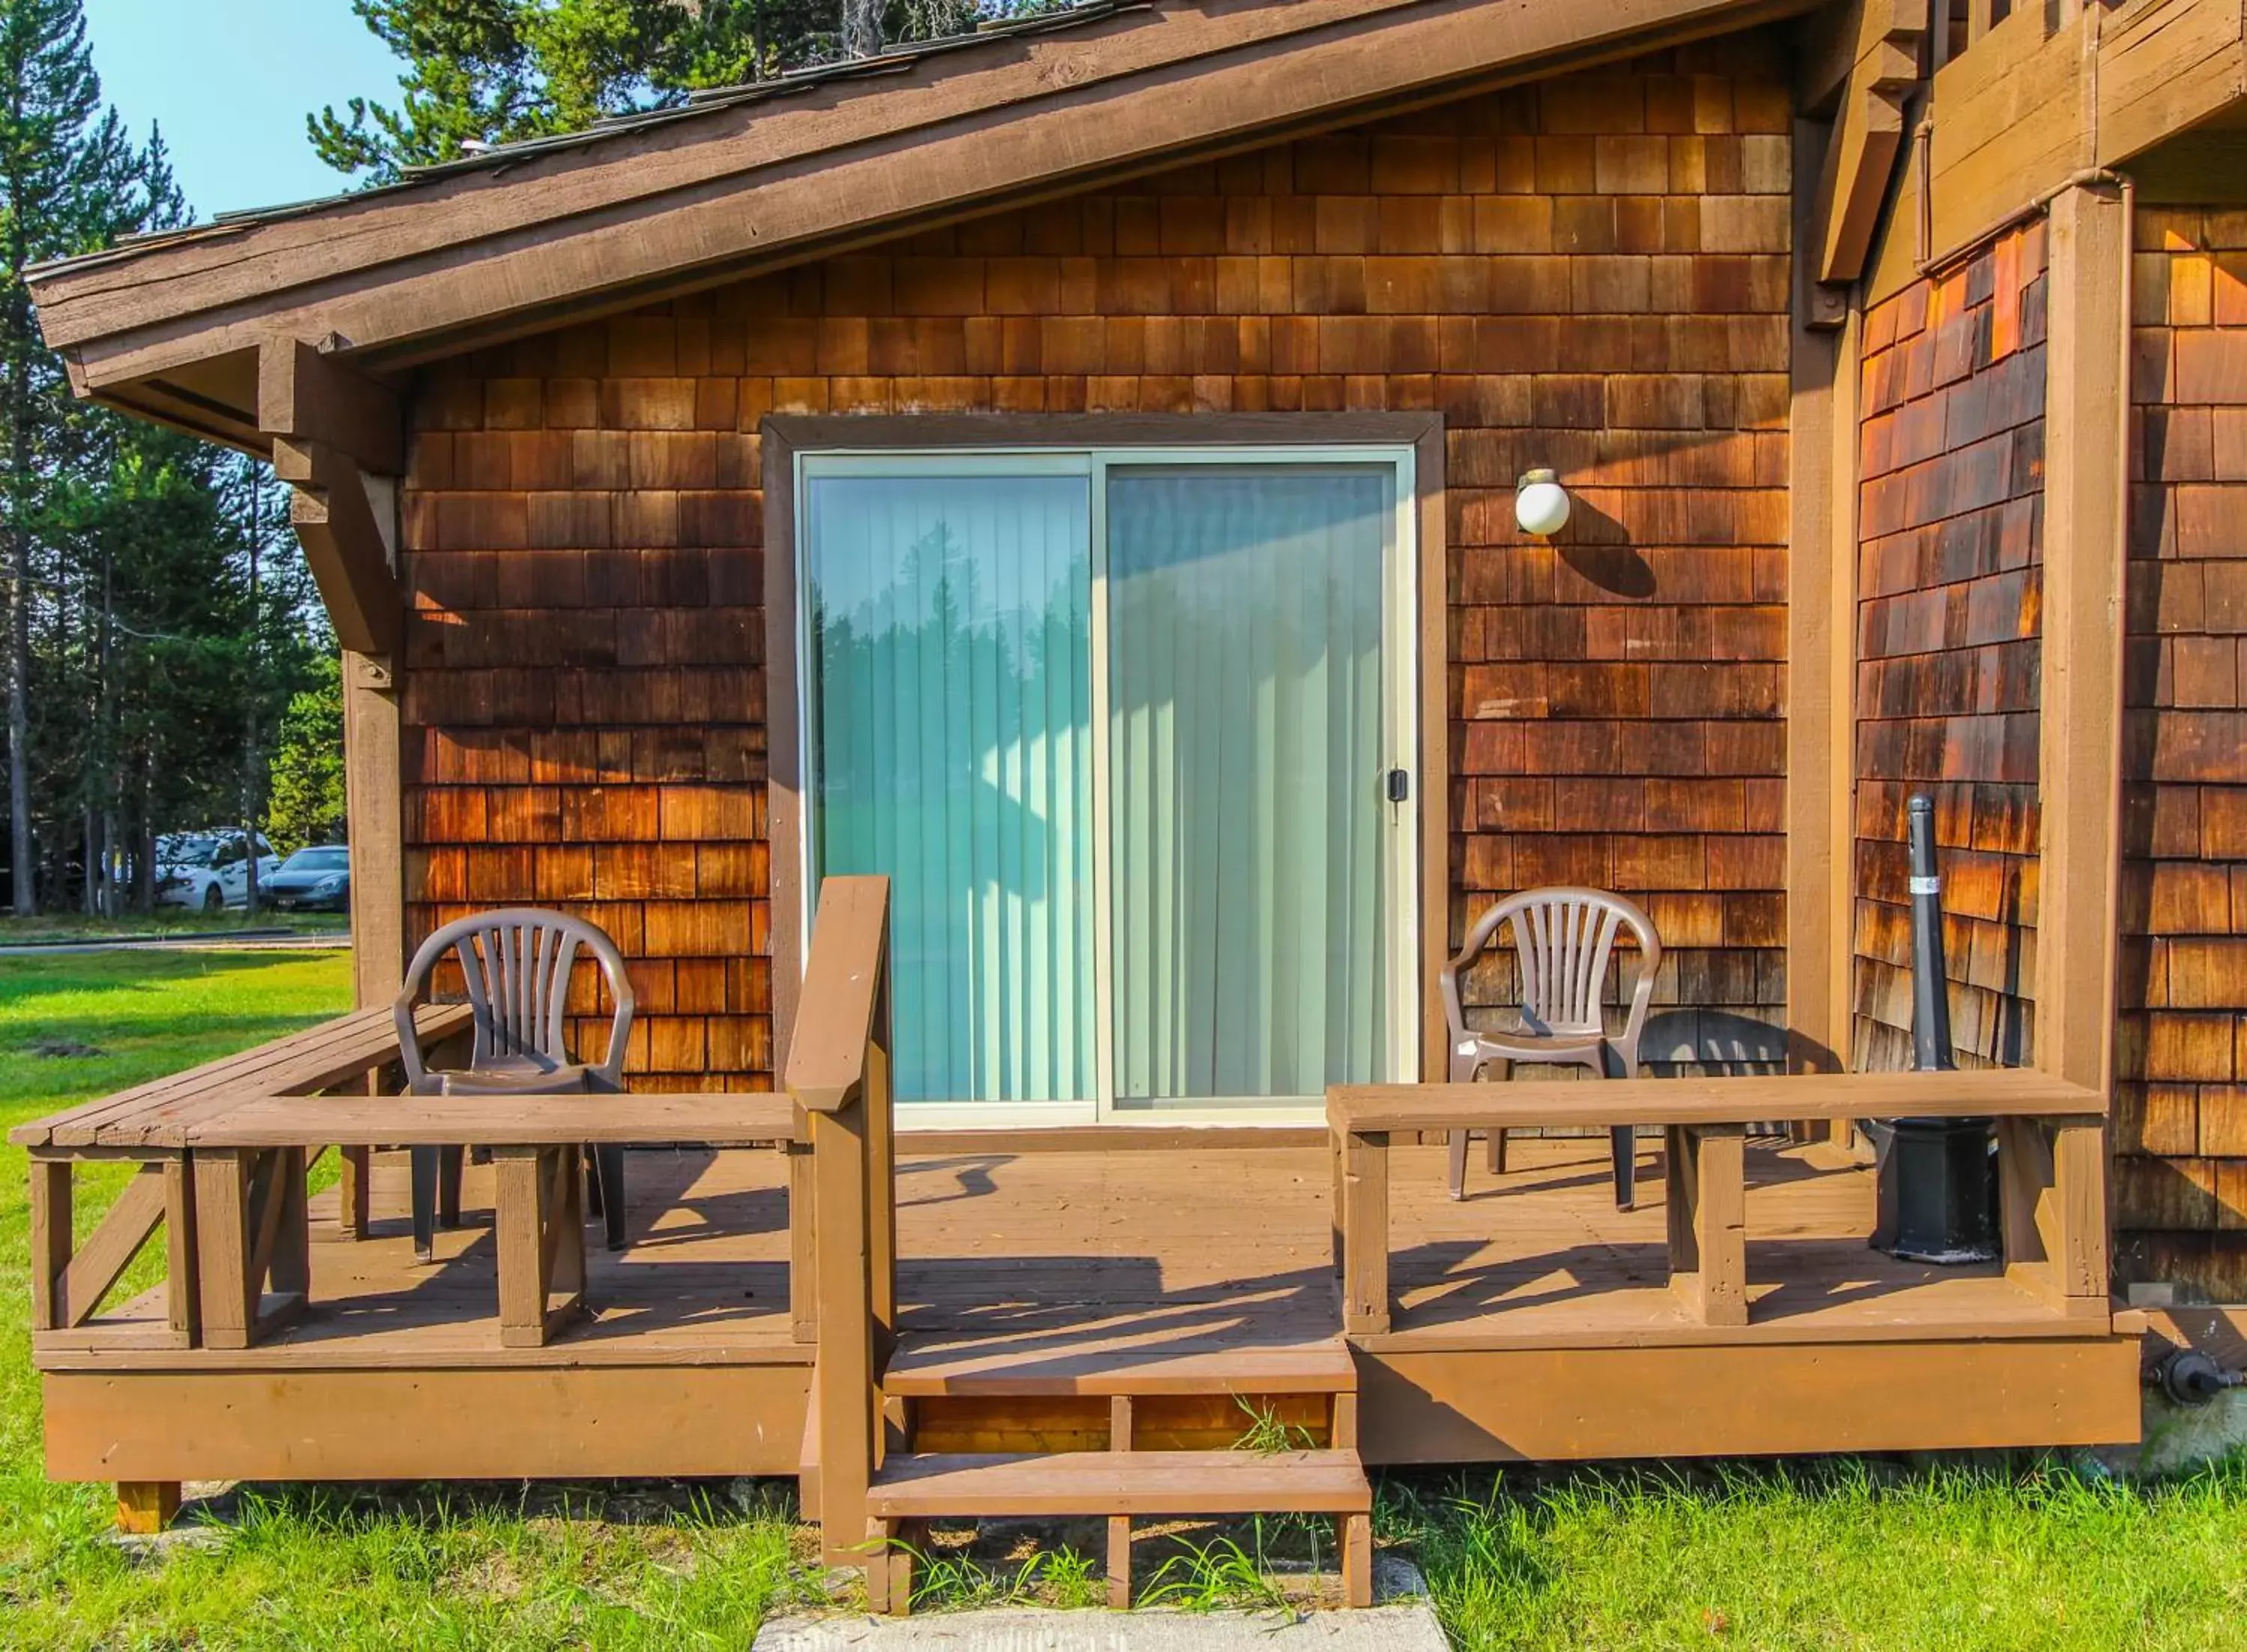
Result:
x=210 y=871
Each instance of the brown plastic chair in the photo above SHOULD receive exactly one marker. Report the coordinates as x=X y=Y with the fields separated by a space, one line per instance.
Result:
x=1563 y=938
x=517 y=963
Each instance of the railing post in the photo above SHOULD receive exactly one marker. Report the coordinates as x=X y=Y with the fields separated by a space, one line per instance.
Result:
x=1707 y=1201
x=845 y=1369
x=838 y=1073
x=2053 y=1190
x=881 y=1176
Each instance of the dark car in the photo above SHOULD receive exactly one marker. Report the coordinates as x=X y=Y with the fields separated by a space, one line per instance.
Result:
x=311 y=880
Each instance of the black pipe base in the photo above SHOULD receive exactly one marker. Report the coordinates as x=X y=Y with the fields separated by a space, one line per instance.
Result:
x=1936 y=1182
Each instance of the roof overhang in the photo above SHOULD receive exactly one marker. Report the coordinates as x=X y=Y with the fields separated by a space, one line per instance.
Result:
x=172 y=328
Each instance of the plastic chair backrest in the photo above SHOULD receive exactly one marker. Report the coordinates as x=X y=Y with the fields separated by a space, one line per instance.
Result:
x=517 y=964
x=1563 y=938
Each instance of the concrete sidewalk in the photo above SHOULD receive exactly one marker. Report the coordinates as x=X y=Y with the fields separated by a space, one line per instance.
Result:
x=1406 y=1627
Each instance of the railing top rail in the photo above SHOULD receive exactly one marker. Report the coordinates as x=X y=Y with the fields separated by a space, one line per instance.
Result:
x=641 y=1119
x=299 y=1062
x=1997 y=1092
x=842 y=991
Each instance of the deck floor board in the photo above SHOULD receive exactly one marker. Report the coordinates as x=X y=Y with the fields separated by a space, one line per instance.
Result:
x=1049 y=1259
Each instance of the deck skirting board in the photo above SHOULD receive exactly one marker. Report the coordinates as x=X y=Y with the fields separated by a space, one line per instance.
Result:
x=1743 y=1400
x=524 y=1424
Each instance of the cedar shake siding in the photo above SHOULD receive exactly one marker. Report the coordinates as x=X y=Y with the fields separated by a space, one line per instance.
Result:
x=1591 y=273
x=2181 y=1053
x=1949 y=579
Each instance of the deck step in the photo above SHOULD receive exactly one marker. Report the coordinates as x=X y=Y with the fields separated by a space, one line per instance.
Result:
x=1121 y=1483
x=945 y=1370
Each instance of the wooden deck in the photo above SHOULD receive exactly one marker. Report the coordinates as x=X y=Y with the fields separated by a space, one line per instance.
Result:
x=1065 y=1272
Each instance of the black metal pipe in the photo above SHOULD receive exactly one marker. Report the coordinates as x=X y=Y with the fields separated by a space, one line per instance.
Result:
x=1930 y=998
x=1935 y=1186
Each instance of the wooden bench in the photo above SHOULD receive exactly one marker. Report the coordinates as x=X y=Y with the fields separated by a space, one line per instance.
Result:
x=147 y=1125
x=536 y=1142
x=2050 y=1141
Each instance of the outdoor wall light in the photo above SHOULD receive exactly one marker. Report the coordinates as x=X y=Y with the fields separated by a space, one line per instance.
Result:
x=1541 y=503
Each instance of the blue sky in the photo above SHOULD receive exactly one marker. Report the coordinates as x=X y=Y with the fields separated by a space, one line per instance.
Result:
x=231 y=81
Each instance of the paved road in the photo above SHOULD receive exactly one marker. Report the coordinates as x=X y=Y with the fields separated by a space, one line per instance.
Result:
x=240 y=941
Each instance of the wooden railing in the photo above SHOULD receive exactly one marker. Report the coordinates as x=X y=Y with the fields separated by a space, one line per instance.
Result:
x=842 y=1214
x=2051 y=1143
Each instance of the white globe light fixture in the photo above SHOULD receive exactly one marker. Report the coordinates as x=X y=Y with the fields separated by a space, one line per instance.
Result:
x=1541 y=503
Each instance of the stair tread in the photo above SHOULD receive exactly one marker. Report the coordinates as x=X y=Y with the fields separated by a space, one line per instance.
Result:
x=1004 y=1367
x=1122 y=1482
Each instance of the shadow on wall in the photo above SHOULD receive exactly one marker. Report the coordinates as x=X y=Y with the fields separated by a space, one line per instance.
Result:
x=1711 y=1041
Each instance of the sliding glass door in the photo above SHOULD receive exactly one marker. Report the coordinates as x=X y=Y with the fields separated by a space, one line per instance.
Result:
x=1129 y=731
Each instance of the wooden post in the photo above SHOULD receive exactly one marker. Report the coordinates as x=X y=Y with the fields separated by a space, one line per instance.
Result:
x=145 y=1507
x=881 y=1192
x=1821 y=491
x=1365 y=1232
x=802 y=1236
x=2054 y=1174
x=226 y=1291
x=540 y=1218
x=2087 y=390
x=1707 y=1201
x=1354 y=1532
x=845 y=1373
x=181 y=1294
x=354 y=1193
x=1120 y=1427
x=838 y=1074
x=2052 y=1182
x=291 y=1258
x=51 y=1240
x=373 y=794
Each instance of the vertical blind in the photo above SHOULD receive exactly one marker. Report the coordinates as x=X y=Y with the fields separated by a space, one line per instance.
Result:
x=951 y=732
x=1245 y=763
x=952 y=747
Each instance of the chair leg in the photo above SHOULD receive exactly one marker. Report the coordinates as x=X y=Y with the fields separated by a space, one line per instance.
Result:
x=425 y=1203
x=1459 y=1146
x=449 y=1161
x=609 y=1176
x=1619 y=1138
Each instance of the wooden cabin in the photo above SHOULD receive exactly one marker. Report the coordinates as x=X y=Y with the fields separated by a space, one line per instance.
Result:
x=993 y=572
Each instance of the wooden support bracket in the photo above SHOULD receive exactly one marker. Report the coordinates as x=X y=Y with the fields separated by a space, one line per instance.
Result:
x=1868 y=134
x=332 y=427
x=345 y=547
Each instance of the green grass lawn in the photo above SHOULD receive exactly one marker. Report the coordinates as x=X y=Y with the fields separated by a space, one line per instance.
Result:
x=1832 y=1555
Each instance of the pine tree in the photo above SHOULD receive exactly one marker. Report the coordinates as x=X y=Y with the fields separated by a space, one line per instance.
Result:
x=498 y=71
x=307 y=803
x=70 y=181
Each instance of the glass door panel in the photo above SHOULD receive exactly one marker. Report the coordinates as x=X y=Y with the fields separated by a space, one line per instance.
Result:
x=1249 y=832
x=950 y=746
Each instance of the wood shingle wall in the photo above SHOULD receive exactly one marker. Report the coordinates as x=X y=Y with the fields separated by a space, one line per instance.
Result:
x=1951 y=456
x=1590 y=274
x=2181 y=1170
